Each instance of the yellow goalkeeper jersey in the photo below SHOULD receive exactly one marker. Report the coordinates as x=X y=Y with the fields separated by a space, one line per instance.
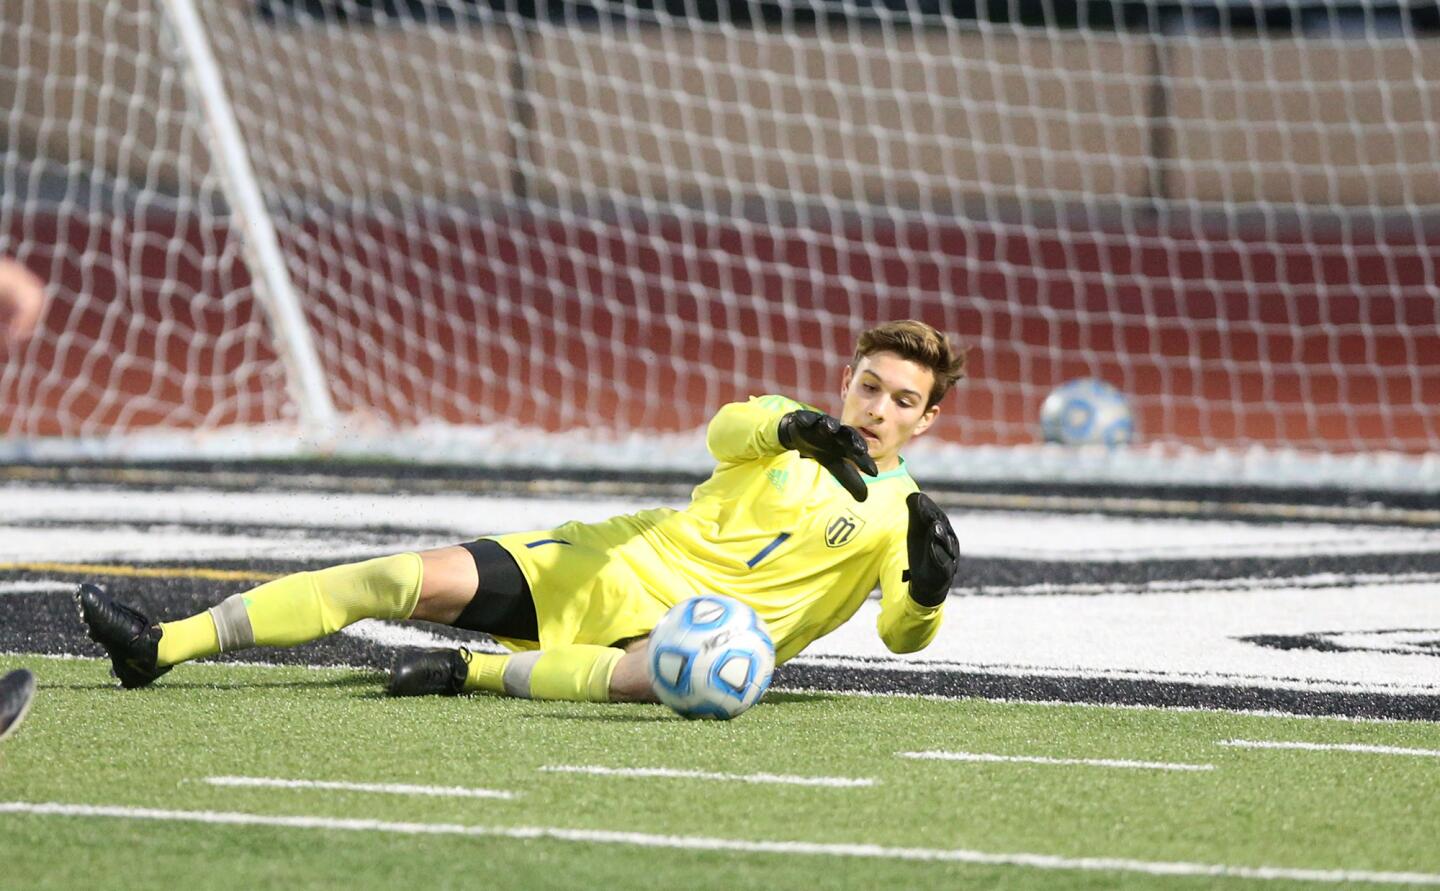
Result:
x=768 y=527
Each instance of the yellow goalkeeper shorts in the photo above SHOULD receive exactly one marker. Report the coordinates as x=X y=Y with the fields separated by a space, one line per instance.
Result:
x=584 y=593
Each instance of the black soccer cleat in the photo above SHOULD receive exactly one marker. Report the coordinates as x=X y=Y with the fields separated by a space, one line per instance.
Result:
x=130 y=639
x=430 y=673
x=17 y=689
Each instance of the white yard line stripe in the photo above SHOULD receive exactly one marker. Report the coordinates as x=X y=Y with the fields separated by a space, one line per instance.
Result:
x=1204 y=586
x=389 y=634
x=1034 y=759
x=1024 y=670
x=1062 y=703
x=388 y=788
x=834 y=782
x=42 y=586
x=1329 y=747
x=704 y=843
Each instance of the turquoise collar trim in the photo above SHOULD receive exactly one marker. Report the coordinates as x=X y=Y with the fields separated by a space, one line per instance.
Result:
x=887 y=475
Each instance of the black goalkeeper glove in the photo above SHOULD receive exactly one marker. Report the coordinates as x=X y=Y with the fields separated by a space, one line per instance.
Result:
x=934 y=551
x=838 y=448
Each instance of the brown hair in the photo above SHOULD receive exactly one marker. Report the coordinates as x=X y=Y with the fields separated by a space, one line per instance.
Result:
x=921 y=344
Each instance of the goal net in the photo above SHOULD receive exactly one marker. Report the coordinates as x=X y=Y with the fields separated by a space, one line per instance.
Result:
x=564 y=233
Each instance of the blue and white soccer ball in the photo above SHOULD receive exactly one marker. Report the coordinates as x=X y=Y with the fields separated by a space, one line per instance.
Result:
x=1087 y=412
x=711 y=657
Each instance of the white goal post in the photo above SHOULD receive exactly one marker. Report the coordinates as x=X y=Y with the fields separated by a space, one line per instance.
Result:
x=563 y=233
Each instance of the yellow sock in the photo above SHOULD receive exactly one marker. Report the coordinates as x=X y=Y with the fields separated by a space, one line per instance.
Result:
x=192 y=638
x=298 y=608
x=574 y=673
x=579 y=672
x=486 y=673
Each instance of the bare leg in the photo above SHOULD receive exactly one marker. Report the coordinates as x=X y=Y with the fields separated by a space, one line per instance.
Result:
x=447 y=585
x=631 y=680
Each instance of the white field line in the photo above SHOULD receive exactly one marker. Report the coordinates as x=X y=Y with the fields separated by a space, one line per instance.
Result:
x=1208 y=678
x=705 y=843
x=833 y=782
x=389 y=634
x=1033 y=759
x=1183 y=586
x=1109 y=706
x=387 y=788
x=41 y=586
x=1329 y=747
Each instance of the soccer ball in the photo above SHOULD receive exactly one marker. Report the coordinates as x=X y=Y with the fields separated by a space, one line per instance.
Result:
x=711 y=657
x=1087 y=412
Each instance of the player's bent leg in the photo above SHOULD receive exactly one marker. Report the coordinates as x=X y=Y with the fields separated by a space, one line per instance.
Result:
x=573 y=673
x=480 y=586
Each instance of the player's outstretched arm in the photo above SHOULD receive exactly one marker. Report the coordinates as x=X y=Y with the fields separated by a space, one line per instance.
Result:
x=933 y=549
x=918 y=573
x=838 y=448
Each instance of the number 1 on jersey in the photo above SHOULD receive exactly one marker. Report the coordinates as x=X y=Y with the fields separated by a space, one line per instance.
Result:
x=779 y=540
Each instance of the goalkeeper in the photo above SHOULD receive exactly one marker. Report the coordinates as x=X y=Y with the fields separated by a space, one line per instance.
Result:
x=803 y=516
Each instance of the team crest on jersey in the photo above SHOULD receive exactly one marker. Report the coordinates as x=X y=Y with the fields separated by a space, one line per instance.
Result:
x=842 y=528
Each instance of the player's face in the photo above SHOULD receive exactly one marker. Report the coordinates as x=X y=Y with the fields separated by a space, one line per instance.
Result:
x=883 y=396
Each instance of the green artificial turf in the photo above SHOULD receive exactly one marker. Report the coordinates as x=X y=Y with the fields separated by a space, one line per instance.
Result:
x=87 y=742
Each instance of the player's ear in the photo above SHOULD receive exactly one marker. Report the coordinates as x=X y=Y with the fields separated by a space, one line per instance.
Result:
x=845 y=378
x=926 y=420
